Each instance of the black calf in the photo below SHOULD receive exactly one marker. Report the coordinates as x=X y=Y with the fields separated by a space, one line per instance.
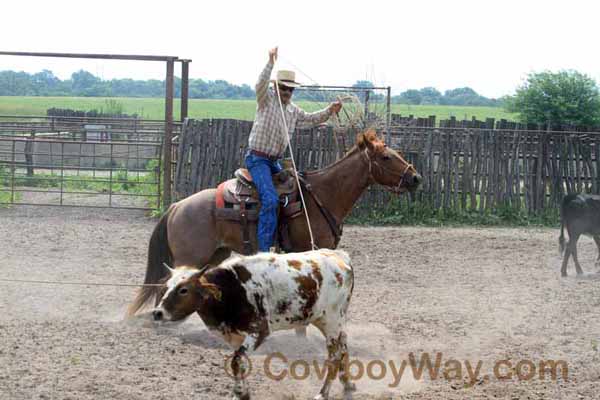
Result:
x=580 y=213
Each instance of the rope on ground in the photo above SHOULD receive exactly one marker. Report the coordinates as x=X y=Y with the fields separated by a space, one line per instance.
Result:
x=81 y=283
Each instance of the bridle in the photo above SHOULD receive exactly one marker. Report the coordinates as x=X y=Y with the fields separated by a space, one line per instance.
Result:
x=396 y=189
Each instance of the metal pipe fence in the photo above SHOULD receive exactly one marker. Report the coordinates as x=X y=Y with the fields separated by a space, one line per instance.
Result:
x=81 y=162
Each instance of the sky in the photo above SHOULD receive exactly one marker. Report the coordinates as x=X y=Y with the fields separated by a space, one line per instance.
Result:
x=487 y=45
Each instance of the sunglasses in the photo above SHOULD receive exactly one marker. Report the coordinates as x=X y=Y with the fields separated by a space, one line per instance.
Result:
x=286 y=89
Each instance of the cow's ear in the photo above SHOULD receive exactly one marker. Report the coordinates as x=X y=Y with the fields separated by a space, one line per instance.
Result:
x=207 y=289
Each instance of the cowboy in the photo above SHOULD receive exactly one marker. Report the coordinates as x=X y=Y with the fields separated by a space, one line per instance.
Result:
x=268 y=140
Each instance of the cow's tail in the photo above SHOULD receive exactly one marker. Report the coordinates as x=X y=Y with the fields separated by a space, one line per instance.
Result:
x=344 y=256
x=158 y=253
x=346 y=259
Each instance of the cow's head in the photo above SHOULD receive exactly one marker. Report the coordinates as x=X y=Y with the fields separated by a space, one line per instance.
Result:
x=185 y=290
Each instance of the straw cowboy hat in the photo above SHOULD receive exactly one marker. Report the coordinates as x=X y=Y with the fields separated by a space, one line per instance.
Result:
x=286 y=78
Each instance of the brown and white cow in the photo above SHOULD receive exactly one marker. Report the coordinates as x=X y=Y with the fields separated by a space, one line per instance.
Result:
x=244 y=299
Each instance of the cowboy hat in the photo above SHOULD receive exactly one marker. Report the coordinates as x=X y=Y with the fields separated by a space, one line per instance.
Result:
x=286 y=78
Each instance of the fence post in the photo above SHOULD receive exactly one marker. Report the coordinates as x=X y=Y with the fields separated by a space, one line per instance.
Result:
x=167 y=156
x=29 y=153
x=388 y=114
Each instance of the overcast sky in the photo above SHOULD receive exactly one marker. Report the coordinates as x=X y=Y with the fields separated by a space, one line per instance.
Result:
x=487 y=45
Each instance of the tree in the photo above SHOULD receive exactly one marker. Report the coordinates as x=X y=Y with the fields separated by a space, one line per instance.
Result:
x=411 y=96
x=464 y=96
x=44 y=83
x=84 y=83
x=366 y=93
x=565 y=97
x=430 y=95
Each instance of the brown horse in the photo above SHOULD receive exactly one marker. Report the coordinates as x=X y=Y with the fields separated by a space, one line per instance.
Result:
x=190 y=234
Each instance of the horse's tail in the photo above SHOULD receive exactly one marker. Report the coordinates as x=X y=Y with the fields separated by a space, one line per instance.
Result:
x=158 y=253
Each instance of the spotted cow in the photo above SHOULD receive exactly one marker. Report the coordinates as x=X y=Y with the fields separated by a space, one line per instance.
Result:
x=244 y=299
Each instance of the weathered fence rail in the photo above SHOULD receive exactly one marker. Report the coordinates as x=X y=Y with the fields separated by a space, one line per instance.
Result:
x=474 y=169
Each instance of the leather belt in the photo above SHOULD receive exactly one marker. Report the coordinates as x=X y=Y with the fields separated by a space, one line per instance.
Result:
x=264 y=155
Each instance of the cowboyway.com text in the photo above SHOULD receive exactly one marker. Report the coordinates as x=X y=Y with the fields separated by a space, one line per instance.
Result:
x=278 y=367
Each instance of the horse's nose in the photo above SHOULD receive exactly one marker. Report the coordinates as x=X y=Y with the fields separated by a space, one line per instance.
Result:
x=417 y=179
x=157 y=315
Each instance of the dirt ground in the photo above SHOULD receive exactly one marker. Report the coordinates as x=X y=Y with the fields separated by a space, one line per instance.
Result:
x=468 y=294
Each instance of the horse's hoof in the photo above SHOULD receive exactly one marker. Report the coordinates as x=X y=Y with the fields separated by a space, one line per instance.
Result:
x=241 y=396
x=563 y=274
x=320 y=397
x=350 y=387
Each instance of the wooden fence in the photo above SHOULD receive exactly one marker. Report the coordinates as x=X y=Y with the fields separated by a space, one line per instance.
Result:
x=463 y=168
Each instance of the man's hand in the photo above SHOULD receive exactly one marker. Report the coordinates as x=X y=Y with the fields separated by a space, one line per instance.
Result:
x=335 y=107
x=273 y=55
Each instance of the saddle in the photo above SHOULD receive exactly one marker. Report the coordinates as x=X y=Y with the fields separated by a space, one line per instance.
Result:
x=241 y=188
x=237 y=200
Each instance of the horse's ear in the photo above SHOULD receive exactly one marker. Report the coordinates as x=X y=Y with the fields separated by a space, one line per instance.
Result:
x=365 y=139
x=171 y=270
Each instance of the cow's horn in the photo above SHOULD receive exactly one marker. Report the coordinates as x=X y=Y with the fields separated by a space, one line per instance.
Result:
x=171 y=270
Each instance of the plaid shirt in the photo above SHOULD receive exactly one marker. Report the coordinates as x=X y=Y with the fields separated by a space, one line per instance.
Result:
x=267 y=133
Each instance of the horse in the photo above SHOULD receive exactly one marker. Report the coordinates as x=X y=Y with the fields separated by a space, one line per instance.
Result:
x=189 y=233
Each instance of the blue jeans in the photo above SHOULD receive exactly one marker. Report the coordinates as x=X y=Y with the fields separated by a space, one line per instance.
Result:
x=261 y=170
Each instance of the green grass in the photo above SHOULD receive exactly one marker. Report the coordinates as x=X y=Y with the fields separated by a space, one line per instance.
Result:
x=5 y=194
x=123 y=182
x=153 y=108
x=424 y=214
x=4 y=198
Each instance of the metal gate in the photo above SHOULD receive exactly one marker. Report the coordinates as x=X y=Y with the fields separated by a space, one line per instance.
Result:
x=81 y=162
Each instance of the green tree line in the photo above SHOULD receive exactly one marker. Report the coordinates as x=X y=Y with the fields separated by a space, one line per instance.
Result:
x=84 y=83
x=464 y=96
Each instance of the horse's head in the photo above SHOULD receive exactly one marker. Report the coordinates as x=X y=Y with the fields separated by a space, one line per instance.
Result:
x=386 y=166
x=185 y=290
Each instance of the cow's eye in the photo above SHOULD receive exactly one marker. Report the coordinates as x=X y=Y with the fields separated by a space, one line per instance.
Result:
x=183 y=291
x=386 y=157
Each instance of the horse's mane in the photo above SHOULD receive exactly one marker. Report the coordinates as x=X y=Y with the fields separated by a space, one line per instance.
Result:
x=363 y=139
